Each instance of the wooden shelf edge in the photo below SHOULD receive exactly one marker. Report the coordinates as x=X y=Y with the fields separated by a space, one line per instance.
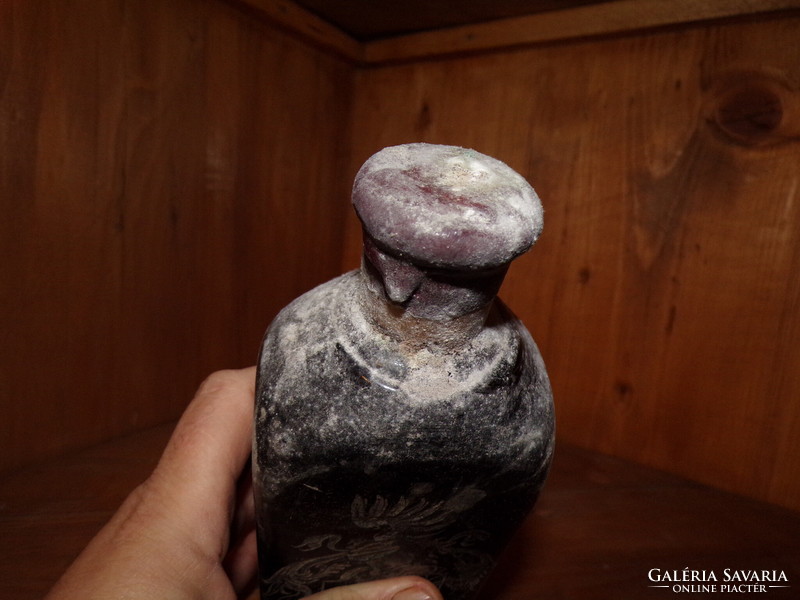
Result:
x=585 y=21
x=596 y=513
x=614 y=17
x=288 y=15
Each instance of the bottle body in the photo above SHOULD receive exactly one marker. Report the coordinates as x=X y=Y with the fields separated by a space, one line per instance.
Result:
x=374 y=457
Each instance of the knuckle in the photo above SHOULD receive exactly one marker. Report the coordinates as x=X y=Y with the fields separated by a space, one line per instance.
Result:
x=219 y=381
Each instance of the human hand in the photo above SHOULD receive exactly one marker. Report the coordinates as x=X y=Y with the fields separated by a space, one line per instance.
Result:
x=189 y=530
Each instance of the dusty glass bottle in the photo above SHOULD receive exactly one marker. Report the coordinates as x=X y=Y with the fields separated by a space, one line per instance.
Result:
x=404 y=418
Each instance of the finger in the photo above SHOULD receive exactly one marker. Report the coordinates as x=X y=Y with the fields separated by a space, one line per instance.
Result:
x=241 y=564
x=241 y=561
x=208 y=450
x=397 y=588
x=244 y=515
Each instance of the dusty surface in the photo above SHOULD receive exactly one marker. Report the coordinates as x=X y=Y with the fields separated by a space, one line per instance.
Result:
x=375 y=458
x=445 y=206
x=404 y=418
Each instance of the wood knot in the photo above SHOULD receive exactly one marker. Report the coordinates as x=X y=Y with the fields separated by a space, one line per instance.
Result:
x=749 y=109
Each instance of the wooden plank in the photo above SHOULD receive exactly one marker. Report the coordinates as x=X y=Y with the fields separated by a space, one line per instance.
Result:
x=49 y=511
x=378 y=19
x=584 y=21
x=599 y=527
x=170 y=179
x=663 y=292
x=601 y=18
x=311 y=28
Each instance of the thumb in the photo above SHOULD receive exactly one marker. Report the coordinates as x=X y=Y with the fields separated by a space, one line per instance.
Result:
x=397 y=588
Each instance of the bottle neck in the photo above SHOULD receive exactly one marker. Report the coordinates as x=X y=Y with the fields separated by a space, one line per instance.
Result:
x=425 y=308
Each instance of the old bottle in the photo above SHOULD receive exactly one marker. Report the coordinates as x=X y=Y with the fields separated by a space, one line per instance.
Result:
x=404 y=419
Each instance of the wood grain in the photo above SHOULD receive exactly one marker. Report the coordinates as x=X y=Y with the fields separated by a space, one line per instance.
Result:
x=374 y=19
x=664 y=291
x=162 y=164
x=293 y=18
x=50 y=510
x=599 y=527
x=175 y=172
x=574 y=22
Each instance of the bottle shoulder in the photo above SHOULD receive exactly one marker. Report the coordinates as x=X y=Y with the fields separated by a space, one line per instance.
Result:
x=324 y=334
x=328 y=380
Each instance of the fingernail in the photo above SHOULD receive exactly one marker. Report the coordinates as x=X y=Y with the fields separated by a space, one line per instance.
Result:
x=412 y=593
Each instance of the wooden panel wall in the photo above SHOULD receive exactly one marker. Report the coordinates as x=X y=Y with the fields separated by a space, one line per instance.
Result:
x=172 y=173
x=665 y=291
x=169 y=178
